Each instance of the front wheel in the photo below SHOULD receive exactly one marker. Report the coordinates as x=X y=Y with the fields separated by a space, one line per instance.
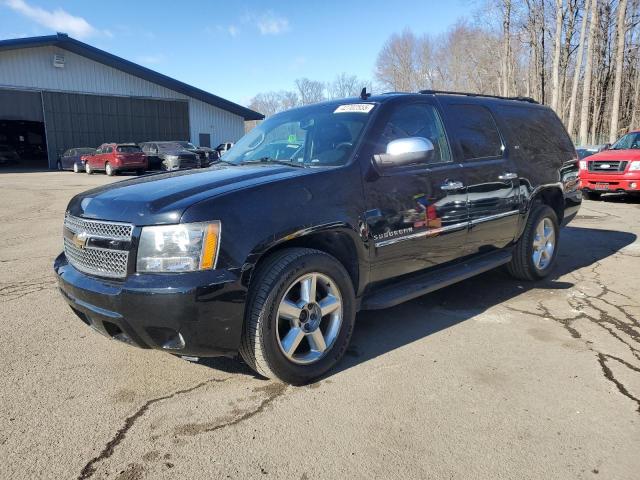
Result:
x=88 y=169
x=76 y=169
x=300 y=316
x=535 y=253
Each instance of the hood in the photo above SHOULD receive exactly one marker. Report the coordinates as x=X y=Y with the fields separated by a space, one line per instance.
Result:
x=163 y=198
x=630 y=154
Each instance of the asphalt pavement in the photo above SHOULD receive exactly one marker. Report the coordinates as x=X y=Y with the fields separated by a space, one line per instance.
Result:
x=491 y=378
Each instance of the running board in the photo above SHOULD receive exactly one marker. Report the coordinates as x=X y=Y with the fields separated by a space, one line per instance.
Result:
x=416 y=286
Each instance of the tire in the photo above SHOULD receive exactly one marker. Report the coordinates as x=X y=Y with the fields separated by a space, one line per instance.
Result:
x=108 y=169
x=523 y=265
x=76 y=169
x=88 y=169
x=265 y=330
x=591 y=195
x=59 y=165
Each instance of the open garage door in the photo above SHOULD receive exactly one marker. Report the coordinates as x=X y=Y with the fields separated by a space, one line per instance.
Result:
x=22 y=132
x=77 y=120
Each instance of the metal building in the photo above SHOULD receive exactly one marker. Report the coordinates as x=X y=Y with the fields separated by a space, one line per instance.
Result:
x=57 y=93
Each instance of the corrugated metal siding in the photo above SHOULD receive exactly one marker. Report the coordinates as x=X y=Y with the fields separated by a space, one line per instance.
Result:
x=80 y=120
x=33 y=68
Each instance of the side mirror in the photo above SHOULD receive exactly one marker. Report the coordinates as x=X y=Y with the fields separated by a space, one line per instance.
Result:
x=607 y=146
x=405 y=151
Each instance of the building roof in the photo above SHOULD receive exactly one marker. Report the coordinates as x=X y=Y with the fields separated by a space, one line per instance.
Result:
x=62 y=40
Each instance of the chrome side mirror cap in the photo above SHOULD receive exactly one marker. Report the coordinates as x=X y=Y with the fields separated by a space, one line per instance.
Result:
x=405 y=151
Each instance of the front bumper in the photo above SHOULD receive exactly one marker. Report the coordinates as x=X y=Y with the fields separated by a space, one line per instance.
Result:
x=623 y=182
x=196 y=314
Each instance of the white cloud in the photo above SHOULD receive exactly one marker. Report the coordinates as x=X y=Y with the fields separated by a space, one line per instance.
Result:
x=272 y=24
x=233 y=30
x=57 y=20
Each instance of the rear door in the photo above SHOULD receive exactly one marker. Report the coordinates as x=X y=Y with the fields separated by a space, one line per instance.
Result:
x=416 y=215
x=492 y=179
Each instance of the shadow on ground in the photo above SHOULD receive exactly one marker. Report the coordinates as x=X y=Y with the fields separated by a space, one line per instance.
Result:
x=381 y=331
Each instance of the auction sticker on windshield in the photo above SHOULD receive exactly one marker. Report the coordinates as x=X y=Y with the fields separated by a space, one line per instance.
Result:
x=354 y=107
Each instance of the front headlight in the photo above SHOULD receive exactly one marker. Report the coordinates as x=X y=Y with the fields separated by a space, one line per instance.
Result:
x=179 y=248
x=635 y=166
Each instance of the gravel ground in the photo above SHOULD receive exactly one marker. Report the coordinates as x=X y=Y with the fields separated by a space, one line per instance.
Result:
x=491 y=378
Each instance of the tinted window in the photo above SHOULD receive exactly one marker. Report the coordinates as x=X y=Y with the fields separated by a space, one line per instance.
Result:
x=127 y=149
x=417 y=120
x=629 y=141
x=67 y=153
x=536 y=130
x=477 y=132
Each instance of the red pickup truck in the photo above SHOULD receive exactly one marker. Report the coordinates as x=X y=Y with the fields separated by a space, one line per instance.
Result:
x=117 y=157
x=616 y=170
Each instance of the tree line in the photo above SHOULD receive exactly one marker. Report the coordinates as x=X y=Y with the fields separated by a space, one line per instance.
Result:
x=580 y=57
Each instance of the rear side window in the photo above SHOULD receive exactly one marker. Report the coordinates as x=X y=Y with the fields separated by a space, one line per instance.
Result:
x=536 y=131
x=477 y=132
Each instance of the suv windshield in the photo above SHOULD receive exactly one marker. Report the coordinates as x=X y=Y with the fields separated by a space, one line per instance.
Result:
x=169 y=147
x=85 y=151
x=128 y=149
x=319 y=135
x=629 y=141
x=187 y=145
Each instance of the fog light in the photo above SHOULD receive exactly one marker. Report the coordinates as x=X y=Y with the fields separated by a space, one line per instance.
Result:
x=633 y=185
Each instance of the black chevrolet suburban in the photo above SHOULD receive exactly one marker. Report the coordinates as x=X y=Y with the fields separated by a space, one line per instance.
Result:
x=315 y=214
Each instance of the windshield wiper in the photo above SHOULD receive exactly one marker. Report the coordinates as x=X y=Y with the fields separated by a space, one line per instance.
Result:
x=273 y=160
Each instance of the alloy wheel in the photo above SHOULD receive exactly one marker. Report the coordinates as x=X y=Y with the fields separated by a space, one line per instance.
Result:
x=544 y=244
x=309 y=318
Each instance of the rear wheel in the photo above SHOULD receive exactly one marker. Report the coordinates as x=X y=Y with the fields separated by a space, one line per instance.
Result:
x=299 y=317
x=535 y=253
x=109 y=169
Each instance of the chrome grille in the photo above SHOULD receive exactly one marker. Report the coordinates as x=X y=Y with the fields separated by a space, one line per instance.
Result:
x=604 y=166
x=113 y=230
x=90 y=259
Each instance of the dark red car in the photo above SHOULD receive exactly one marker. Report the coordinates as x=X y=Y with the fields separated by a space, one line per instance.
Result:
x=117 y=157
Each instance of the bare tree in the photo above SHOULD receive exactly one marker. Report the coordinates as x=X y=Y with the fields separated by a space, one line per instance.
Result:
x=506 y=47
x=310 y=91
x=345 y=86
x=578 y=68
x=398 y=62
x=586 y=85
x=557 y=44
x=619 y=60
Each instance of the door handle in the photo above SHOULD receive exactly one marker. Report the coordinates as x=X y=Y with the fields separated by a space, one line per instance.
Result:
x=451 y=185
x=508 y=176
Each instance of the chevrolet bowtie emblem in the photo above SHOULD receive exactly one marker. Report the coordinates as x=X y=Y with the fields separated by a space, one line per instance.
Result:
x=80 y=240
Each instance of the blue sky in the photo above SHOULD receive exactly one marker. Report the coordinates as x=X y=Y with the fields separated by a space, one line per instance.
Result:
x=237 y=48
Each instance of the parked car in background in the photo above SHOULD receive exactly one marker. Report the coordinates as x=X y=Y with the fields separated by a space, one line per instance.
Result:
x=614 y=170
x=169 y=156
x=201 y=154
x=588 y=150
x=224 y=148
x=74 y=159
x=8 y=155
x=117 y=157
x=371 y=202
x=211 y=154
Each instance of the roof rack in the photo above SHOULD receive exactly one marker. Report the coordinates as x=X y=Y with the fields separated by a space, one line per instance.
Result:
x=446 y=92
